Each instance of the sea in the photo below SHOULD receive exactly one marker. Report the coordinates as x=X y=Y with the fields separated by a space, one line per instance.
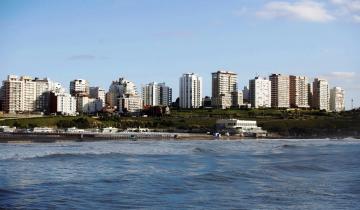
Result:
x=181 y=174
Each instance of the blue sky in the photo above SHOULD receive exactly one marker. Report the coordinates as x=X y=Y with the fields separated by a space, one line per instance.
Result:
x=158 y=40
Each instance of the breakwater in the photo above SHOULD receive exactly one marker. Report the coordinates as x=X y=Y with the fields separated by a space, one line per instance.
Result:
x=51 y=137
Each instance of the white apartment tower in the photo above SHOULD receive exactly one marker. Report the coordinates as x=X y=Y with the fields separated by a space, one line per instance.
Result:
x=260 y=93
x=43 y=89
x=25 y=94
x=124 y=96
x=299 y=92
x=337 y=99
x=321 y=94
x=280 y=91
x=156 y=94
x=190 y=91
x=117 y=89
x=62 y=103
x=224 y=86
x=19 y=94
x=79 y=87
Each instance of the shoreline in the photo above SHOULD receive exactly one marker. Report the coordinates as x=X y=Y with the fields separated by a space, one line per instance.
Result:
x=91 y=137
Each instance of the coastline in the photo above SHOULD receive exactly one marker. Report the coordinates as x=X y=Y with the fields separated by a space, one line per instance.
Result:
x=87 y=137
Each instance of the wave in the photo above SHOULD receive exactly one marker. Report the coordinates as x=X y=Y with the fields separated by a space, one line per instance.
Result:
x=215 y=177
x=202 y=150
x=5 y=192
x=300 y=168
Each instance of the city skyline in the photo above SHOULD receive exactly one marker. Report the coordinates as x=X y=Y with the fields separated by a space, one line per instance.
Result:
x=148 y=40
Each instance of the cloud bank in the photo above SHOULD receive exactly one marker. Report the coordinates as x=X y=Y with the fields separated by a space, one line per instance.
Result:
x=312 y=10
x=303 y=10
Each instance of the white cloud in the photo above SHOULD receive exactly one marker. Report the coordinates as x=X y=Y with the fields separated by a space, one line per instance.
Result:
x=342 y=74
x=351 y=5
x=302 y=10
x=349 y=8
x=356 y=18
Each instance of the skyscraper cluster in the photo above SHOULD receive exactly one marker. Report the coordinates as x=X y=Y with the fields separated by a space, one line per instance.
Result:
x=295 y=92
x=25 y=94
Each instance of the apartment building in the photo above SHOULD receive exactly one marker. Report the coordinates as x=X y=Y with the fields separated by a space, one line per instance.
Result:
x=260 y=93
x=299 y=97
x=190 y=87
x=98 y=93
x=280 y=87
x=224 y=84
x=62 y=103
x=79 y=87
x=156 y=94
x=337 y=99
x=321 y=94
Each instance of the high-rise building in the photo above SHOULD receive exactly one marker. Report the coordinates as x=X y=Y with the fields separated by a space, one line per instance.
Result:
x=124 y=96
x=98 y=93
x=19 y=94
x=156 y=94
x=337 y=99
x=224 y=86
x=165 y=94
x=299 y=92
x=190 y=91
x=1 y=97
x=62 y=103
x=260 y=93
x=237 y=99
x=25 y=94
x=130 y=104
x=310 y=94
x=246 y=96
x=118 y=89
x=280 y=91
x=43 y=89
x=321 y=94
x=79 y=87
x=85 y=104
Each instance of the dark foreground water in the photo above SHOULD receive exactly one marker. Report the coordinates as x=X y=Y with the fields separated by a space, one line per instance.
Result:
x=250 y=174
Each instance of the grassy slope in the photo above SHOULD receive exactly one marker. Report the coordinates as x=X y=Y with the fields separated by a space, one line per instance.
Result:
x=293 y=123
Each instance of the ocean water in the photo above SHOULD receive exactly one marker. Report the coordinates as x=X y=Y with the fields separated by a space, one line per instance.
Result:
x=247 y=174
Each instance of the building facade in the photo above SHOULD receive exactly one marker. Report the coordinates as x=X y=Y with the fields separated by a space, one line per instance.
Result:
x=156 y=94
x=190 y=91
x=310 y=94
x=130 y=104
x=79 y=87
x=25 y=94
x=98 y=93
x=337 y=99
x=299 y=97
x=119 y=88
x=321 y=94
x=43 y=89
x=19 y=94
x=246 y=94
x=224 y=86
x=87 y=105
x=280 y=87
x=260 y=93
x=62 y=103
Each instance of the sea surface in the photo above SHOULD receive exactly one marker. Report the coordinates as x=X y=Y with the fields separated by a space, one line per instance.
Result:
x=246 y=174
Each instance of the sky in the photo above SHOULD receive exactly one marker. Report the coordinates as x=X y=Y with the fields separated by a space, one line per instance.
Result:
x=159 y=40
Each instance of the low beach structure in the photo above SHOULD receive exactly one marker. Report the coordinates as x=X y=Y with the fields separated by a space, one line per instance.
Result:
x=74 y=130
x=43 y=130
x=110 y=130
x=246 y=128
x=7 y=129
